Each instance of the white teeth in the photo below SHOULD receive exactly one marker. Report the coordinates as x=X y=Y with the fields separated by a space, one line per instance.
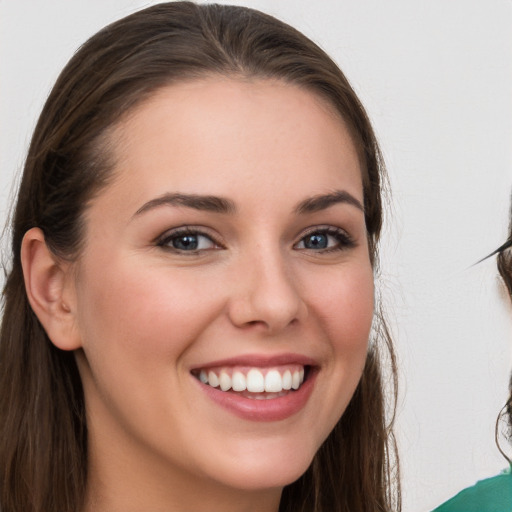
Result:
x=213 y=380
x=273 y=382
x=295 y=380
x=224 y=381
x=255 y=381
x=287 y=380
x=238 y=382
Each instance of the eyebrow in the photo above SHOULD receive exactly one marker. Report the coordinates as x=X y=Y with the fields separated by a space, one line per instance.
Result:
x=197 y=202
x=217 y=204
x=324 y=201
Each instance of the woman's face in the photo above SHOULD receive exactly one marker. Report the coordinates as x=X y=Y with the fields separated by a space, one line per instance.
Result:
x=229 y=251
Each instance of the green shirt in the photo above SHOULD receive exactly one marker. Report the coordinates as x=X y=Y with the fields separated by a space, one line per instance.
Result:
x=489 y=495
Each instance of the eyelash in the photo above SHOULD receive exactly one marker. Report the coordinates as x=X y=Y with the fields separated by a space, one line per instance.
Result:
x=343 y=240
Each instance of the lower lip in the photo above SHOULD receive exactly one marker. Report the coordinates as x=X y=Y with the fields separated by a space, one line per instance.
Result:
x=273 y=409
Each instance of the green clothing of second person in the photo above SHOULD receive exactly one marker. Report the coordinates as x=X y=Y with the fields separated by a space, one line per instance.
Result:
x=489 y=495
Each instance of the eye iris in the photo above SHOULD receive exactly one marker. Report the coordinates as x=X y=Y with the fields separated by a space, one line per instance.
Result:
x=316 y=241
x=186 y=242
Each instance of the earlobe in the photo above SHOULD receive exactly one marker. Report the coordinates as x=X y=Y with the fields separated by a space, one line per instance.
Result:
x=50 y=290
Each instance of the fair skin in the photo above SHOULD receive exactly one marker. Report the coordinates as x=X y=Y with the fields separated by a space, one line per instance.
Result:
x=270 y=272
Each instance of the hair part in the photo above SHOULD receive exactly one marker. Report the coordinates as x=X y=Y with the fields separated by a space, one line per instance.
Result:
x=43 y=433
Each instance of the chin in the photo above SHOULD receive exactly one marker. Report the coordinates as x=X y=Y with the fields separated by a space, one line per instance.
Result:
x=271 y=478
x=267 y=469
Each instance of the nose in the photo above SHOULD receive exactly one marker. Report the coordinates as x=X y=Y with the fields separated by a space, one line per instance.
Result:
x=266 y=294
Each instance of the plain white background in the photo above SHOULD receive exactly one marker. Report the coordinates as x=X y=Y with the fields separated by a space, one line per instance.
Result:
x=436 y=79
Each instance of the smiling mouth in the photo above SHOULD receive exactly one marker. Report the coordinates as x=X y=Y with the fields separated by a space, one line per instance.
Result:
x=255 y=383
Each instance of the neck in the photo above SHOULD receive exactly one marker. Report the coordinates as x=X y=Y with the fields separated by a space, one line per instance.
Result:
x=120 y=482
x=101 y=498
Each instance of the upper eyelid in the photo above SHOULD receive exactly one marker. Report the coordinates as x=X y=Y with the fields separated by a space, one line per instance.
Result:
x=186 y=230
x=325 y=228
x=204 y=231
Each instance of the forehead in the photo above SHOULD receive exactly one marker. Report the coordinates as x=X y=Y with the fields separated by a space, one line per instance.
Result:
x=216 y=134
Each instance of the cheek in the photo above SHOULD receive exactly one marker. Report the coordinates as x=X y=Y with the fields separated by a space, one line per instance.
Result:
x=344 y=303
x=145 y=312
x=341 y=302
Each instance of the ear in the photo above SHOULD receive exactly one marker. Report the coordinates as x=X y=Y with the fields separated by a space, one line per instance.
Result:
x=50 y=289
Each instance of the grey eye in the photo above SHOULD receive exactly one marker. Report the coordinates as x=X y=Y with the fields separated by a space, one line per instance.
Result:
x=316 y=241
x=326 y=239
x=188 y=242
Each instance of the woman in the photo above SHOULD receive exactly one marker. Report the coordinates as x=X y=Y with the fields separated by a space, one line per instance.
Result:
x=187 y=320
x=492 y=494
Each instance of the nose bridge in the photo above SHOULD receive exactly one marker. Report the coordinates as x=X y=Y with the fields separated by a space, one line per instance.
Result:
x=267 y=292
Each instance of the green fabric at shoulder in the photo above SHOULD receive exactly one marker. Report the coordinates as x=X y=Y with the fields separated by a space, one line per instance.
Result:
x=489 y=495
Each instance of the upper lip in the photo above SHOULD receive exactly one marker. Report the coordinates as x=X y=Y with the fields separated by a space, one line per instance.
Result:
x=259 y=361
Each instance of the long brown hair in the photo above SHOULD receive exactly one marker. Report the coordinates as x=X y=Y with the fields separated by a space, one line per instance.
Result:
x=43 y=434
